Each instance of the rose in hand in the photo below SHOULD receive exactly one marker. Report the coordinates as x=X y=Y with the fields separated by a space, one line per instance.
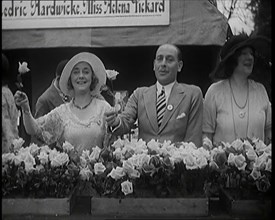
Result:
x=111 y=118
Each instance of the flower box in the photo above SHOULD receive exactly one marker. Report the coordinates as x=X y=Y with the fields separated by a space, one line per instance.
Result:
x=152 y=207
x=249 y=206
x=38 y=206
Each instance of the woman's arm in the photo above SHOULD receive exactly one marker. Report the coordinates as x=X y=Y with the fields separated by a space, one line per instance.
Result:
x=30 y=124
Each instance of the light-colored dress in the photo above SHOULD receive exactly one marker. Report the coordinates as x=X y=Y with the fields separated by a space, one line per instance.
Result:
x=61 y=125
x=222 y=118
x=9 y=119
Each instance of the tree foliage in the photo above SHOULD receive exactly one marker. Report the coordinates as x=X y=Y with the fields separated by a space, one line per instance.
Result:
x=261 y=11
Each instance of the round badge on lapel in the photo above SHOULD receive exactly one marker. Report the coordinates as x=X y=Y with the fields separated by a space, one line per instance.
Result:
x=170 y=107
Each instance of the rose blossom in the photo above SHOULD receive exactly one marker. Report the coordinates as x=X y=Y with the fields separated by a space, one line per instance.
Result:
x=29 y=162
x=83 y=161
x=127 y=187
x=260 y=147
x=45 y=148
x=255 y=174
x=23 y=67
x=111 y=74
x=143 y=159
x=260 y=162
x=239 y=161
x=117 y=173
x=67 y=147
x=99 y=168
x=43 y=157
x=7 y=157
x=60 y=159
x=154 y=146
x=18 y=143
x=134 y=174
x=237 y=144
x=118 y=154
x=39 y=167
x=52 y=154
x=33 y=148
x=220 y=158
x=118 y=143
x=213 y=165
x=263 y=184
x=190 y=162
x=85 y=174
x=251 y=155
x=95 y=154
x=207 y=143
x=247 y=145
x=201 y=162
x=268 y=166
x=127 y=166
x=230 y=159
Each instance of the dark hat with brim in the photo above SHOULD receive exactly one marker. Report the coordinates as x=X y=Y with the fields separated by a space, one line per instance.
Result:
x=260 y=44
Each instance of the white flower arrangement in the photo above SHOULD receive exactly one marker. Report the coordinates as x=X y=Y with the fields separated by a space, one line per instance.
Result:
x=38 y=171
x=128 y=164
x=244 y=163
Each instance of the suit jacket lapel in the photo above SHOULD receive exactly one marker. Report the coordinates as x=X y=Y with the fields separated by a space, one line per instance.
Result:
x=150 y=105
x=174 y=100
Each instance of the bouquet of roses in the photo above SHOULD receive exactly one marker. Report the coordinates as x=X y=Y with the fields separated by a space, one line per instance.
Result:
x=243 y=164
x=39 y=172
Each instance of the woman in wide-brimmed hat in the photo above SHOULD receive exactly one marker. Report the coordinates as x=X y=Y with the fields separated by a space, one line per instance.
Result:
x=81 y=121
x=236 y=106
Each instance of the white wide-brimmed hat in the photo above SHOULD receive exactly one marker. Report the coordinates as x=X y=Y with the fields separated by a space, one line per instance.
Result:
x=96 y=64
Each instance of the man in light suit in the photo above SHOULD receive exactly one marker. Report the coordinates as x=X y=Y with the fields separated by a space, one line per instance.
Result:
x=182 y=120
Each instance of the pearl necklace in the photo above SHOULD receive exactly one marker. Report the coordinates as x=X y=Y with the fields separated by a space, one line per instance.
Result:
x=247 y=123
x=242 y=112
x=81 y=108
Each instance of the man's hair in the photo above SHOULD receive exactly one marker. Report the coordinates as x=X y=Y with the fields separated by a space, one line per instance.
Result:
x=60 y=67
x=177 y=48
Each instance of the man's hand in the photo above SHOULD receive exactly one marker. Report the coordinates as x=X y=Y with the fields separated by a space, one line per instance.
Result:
x=111 y=118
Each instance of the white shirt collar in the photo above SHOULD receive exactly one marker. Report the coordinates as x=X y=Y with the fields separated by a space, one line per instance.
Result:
x=167 y=89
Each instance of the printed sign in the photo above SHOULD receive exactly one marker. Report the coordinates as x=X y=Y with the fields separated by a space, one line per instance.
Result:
x=18 y=14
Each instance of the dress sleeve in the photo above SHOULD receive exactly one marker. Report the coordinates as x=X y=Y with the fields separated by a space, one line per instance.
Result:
x=209 y=110
x=194 y=126
x=9 y=112
x=50 y=126
x=268 y=121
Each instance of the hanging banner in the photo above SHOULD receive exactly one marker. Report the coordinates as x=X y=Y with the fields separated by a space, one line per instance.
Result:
x=33 y=14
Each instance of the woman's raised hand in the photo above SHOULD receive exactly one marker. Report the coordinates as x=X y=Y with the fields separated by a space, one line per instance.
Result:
x=21 y=99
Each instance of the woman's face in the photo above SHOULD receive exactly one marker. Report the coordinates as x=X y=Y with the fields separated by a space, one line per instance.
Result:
x=245 y=61
x=81 y=76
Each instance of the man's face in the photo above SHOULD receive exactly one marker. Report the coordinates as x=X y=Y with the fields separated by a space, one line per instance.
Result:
x=166 y=64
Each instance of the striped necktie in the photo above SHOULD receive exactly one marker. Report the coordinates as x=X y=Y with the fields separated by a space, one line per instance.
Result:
x=161 y=104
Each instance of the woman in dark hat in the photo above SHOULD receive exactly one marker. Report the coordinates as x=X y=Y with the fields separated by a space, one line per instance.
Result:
x=237 y=106
x=81 y=121
x=9 y=110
